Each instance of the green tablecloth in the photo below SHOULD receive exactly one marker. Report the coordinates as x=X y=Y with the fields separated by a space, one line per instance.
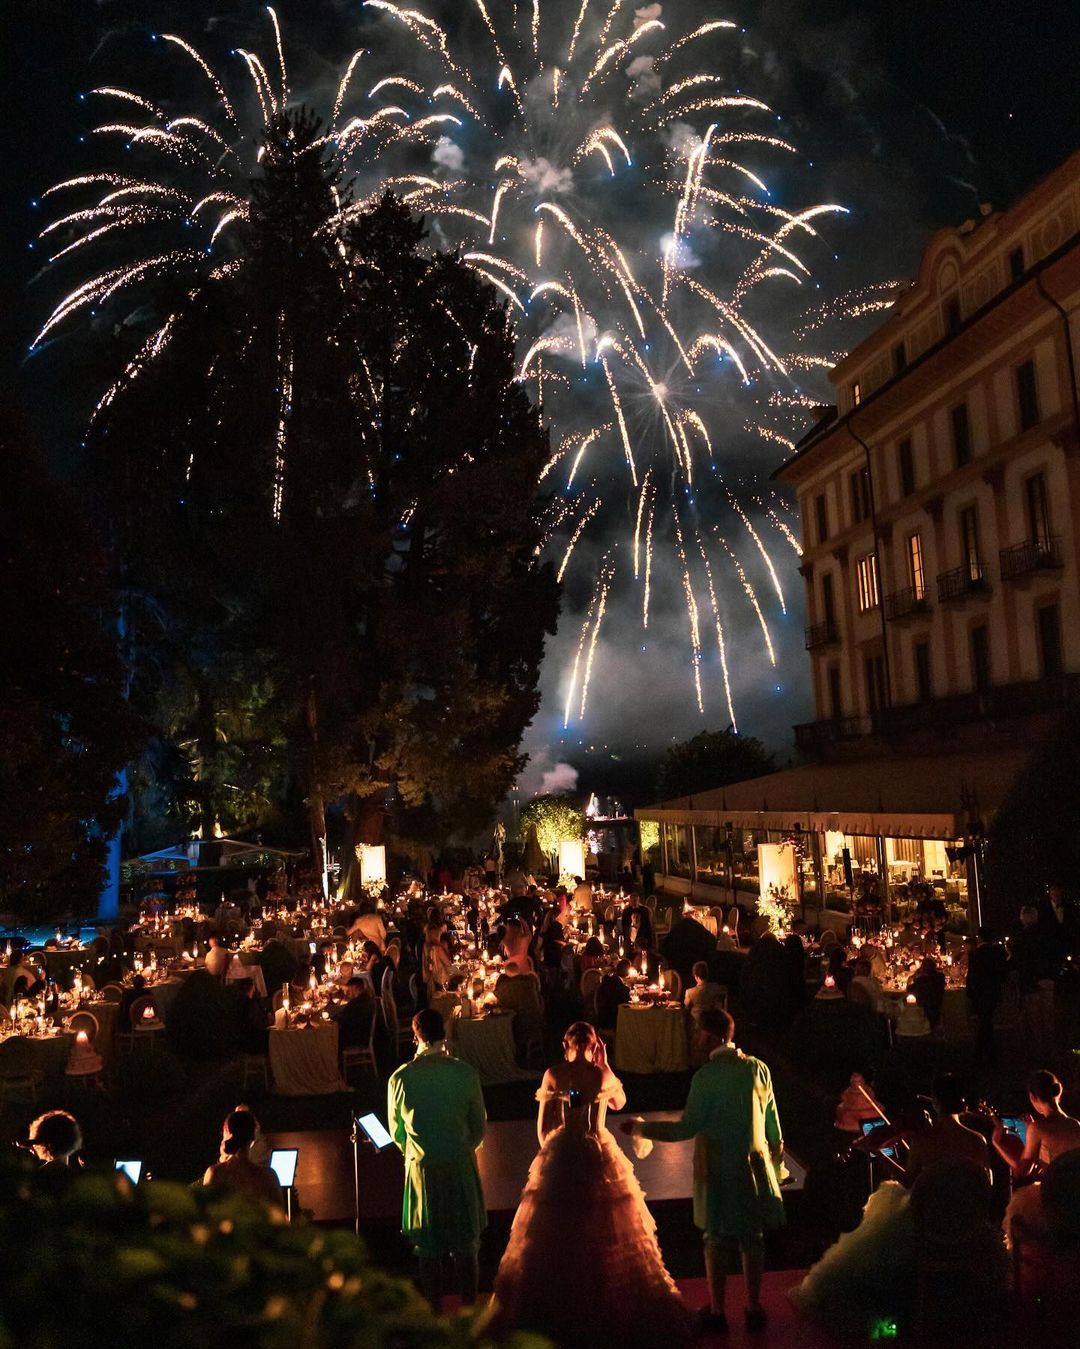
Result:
x=650 y=1039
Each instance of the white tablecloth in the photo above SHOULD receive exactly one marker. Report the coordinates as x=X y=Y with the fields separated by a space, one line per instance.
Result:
x=304 y=1062
x=487 y=1043
x=650 y=1039
x=246 y=965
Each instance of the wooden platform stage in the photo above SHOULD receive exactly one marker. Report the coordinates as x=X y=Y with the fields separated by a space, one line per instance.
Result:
x=324 y=1171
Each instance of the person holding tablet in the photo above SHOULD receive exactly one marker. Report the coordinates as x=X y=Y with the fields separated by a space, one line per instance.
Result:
x=236 y=1171
x=436 y=1116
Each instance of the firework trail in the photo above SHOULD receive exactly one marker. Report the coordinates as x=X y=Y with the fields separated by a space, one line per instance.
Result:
x=537 y=138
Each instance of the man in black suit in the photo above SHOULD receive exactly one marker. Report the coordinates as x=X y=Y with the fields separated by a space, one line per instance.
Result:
x=637 y=926
x=355 y=1015
x=1058 y=918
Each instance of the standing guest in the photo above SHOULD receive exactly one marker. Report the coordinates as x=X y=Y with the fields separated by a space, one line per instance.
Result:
x=217 y=957
x=986 y=975
x=435 y=1111
x=611 y=992
x=1036 y=958
x=704 y=995
x=236 y=1171
x=516 y=882
x=582 y=898
x=368 y=925
x=490 y=871
x=252 y=1017
x=738 y=1163
x=1059 y=918
x=436 y=966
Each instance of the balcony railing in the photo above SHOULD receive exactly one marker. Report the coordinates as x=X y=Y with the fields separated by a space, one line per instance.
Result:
x=958 y=584
x=998 y=702
x=821 y=634
x=813 y=736
x=906 y=603
x=1033 y=555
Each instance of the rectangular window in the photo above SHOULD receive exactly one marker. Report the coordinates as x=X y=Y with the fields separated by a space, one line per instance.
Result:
x=874 y=668
x=916 y=574
x=1049 y=625
x=836 y=705
x=952 y=313
x=822 y=511
x=856 y=394
x=1038 y=510
x=924 y=687
x=961 y=435
x=899 y=358
x=867 y=582
x=969 y=543
x=905 y=458
x=1016 y=263
x=979 y=639
x=860 y=496
x=828 y=600
x=1027 y=396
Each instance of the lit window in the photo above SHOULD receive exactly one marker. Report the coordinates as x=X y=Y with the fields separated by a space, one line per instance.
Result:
x=856 y=394
x=915 y=567
x=867 y=582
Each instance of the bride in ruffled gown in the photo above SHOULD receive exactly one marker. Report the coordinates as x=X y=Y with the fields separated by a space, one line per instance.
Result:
x=583 y=1265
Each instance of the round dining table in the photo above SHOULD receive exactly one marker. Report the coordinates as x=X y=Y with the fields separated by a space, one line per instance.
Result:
x=304 y=1060
x=487 y=1042
x=650 y=1039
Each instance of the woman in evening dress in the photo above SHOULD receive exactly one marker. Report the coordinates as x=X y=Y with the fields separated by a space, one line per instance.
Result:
x=583 y=1265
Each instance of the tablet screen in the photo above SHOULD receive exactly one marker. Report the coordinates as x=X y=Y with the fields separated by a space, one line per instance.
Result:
x=868 y=1126
x=283 y=1165
x=1016 y=1125
x=375 y=1130
x=132 y=1169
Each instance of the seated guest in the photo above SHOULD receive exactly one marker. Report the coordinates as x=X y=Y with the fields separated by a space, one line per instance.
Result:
x=345 y=972
x=253 y=1019
x=55 y=1138
x=236 y=1171
x=300 y=983
x=838 y=967
x=637 y=925
x=516 y=941
x=435 y=963
x=21 y=979
x=277 y=965
x=217 y=957
x=611 y=992
x=928 y=986
x=704 y=995
x=519 y=992
x=554 y=944
x=129 y=995
x=355 y=1015
x=376 y=962
x=592 y=955
x=864 y=989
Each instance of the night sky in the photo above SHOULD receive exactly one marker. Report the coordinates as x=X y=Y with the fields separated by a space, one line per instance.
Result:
x=913 y=115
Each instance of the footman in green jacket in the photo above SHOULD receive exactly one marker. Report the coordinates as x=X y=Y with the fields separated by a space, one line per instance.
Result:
x=738 y=1161
x=436 y=1117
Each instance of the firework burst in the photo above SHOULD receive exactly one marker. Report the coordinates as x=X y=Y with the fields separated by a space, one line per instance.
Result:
x=540 y=140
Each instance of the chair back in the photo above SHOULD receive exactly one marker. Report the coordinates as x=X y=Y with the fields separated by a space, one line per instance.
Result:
x=650 y=904
x=113 y=993
x=386 y=983
x=673 y=980
x=414 y=990
x=732 y=920
x=86 y=1021
x=718 y=913
x=609 y=913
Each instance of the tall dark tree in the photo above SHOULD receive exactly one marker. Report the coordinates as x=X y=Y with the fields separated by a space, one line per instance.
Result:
x=335 y=449
x=710 y=759
x=65 y=728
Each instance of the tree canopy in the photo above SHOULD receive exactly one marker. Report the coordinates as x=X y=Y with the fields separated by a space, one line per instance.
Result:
x=325 y=499
x=710 y=759
x=556 y=817
x=65 y=729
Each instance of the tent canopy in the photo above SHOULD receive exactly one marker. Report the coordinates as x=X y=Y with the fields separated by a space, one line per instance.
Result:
x=930 y=796
x=188 y=856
